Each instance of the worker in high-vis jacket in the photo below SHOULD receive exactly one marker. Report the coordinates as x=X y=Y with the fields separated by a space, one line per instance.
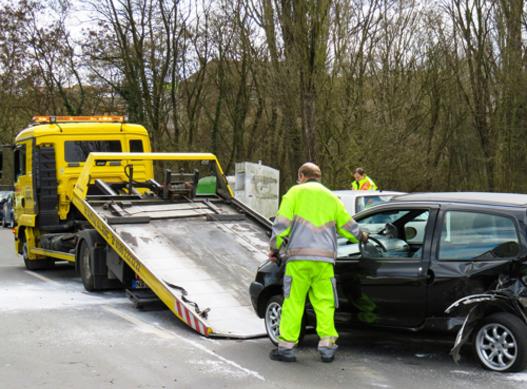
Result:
x=307 y=224
x=362 y=181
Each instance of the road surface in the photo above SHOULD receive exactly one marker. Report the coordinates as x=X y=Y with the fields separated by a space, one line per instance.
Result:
x=53 y=334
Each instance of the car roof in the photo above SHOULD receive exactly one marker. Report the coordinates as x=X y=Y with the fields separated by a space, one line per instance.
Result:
x=484 y=198
x=360 y=193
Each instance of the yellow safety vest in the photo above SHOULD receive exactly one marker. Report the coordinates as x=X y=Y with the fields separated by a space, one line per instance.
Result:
x=365 y=184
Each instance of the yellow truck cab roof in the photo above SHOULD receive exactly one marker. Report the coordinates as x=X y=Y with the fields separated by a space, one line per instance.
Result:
x=79 y=128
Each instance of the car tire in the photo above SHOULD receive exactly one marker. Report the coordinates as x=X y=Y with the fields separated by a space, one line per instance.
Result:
x=500 y=343
x=272 y=313
x=31 y=264
x=85 y=269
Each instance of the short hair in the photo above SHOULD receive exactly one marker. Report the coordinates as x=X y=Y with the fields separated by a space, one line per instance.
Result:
x=360 y=171
x=310 y=170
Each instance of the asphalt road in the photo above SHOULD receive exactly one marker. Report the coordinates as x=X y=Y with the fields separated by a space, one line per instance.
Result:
x=53 y=334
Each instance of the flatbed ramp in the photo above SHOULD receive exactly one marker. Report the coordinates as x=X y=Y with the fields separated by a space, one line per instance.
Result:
x=198 y=257
x=213 y=262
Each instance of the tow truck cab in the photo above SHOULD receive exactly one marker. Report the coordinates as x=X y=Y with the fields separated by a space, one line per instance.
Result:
x=48 y=158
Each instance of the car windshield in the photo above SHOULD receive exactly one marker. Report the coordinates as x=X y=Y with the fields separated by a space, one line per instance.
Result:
x=368 y=201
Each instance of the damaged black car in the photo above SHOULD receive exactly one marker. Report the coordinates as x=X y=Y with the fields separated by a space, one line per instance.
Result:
x=452 y=262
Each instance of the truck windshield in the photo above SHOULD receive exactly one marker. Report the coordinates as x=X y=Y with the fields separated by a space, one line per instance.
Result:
x=77 y=151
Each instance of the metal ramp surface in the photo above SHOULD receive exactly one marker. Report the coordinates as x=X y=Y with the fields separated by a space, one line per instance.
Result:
x=205 y=257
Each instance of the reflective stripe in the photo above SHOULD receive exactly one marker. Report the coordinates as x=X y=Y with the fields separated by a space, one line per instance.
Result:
x=308 y=240
x=335 y=294
x=311 y=259
x=286 y=345
x=352 y=227
x=328 y=226
x=281 y=223
x=327 y=341
x=310 y=252
x=288 y=280
x=280 y=227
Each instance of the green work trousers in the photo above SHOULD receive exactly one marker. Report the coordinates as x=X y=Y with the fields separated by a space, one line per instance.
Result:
x=317 y=279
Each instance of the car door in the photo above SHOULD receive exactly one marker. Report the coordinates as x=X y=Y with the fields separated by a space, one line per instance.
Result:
x=472 y=246
x=388 y=287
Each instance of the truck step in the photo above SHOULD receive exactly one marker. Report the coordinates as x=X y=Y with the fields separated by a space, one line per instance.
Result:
x=145 y=300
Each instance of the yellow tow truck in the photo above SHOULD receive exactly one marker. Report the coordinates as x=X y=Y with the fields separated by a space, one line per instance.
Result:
x=88 y=190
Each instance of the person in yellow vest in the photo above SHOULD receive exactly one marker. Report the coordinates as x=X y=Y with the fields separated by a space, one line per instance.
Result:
x=362 y=181
x=307 y=224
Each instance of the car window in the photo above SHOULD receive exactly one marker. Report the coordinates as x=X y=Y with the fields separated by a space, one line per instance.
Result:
x=474 y=235
x=365 y=202
x=396 y=233
x=376 y=222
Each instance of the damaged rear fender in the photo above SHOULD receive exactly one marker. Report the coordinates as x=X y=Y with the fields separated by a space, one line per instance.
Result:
x=481 y=306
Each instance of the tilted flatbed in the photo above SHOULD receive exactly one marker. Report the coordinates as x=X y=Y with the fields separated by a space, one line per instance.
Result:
x=197 y=254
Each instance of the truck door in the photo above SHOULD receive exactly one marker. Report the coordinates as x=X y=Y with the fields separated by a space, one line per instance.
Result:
x=23 y=177
x=388 y=285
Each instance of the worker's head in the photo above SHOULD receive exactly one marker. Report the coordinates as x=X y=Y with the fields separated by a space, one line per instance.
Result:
x=359 y=174
x=308 y=171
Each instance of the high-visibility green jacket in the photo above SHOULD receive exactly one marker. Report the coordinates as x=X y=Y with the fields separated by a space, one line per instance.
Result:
x=310 y=216
x=365 y=184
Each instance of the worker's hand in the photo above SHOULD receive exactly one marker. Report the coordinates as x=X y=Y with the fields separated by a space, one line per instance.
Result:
x=272 y=255
x=364 y=236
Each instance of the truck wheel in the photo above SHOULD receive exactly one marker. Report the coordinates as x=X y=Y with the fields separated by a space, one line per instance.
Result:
x=273 y=312
x=32 y=264
x=501 y=342
x=85 y=269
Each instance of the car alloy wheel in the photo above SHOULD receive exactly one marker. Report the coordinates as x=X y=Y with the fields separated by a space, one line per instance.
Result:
x=496 y=346
x=273 y=312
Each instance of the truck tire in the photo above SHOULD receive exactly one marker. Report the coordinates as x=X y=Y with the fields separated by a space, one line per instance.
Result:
x=32 y=264
x=84 y=261
x=91 y=262
x=500 y=342
x=273 y=310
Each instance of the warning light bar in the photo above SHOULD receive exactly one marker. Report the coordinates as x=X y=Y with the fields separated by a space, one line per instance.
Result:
x=70 y=119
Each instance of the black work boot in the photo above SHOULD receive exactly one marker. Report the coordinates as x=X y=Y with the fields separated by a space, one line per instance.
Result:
x=327 y=349
x=283 y=354
x=327 y=354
